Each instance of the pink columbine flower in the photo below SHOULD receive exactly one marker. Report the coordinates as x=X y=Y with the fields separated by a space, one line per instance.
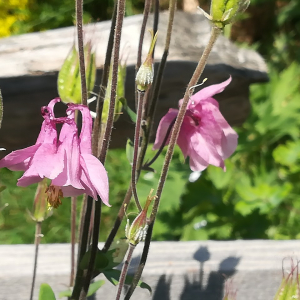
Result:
x=205 y=136
x=61 y=160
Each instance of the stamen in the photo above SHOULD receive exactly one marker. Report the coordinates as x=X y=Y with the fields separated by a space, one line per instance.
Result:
x=54 y=195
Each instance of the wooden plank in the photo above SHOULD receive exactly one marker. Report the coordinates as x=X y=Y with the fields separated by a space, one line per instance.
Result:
x=175 y=270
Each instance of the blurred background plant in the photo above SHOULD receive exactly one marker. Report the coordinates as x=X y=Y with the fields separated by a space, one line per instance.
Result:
x=258 y=196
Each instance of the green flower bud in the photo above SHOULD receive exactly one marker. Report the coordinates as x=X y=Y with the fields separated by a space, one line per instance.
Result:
x=138 y=229
x=224 y=12
x=145 y=74
x=41 y=209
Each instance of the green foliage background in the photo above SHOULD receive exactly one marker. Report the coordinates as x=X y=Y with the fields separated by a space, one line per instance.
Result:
x=258 y=196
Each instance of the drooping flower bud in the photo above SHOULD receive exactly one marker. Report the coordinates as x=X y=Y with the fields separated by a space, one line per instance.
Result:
x=41 y=209
x=138 y=229
x=145 y=74
x=223 y=12
x=69 y=82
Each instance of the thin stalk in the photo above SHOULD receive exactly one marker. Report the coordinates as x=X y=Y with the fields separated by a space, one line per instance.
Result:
x=158 y=79
x=116 y=52
x=175 y=132
x=103 y=85
x=119 y=219
x=38 y=226
x=79 y=25
x=82 y=248
x=151 y=106
x=125 y=270
x=147 y=8
x=73 y=238
x=173 y=139
x=148 y=164
x=156 y=17
x=106 y=139
x=94 y=248
x=136 y=147
x=141 y=266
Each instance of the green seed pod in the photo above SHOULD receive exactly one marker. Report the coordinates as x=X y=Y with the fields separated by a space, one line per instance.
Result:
x=69 y=82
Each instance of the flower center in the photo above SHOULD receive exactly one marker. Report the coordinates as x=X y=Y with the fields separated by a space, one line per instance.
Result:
x=193 y=117
x=54 y=195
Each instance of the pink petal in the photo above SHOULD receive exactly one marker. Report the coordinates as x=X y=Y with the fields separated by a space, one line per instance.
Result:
x=229 y=137
x=197 y=163
x=97 y=175
x=68 y=149
x=18 y=160
x=184 y=138
x=208 y=92
x=44 y=163
x=85 y=138
x=163 y=127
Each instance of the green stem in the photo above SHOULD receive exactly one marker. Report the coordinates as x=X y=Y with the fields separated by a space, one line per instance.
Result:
x=136 y=148
x=82 y=247
x=37 y=239
x=73 y=238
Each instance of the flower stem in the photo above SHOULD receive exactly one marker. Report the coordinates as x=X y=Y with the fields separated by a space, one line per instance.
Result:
x=115 y=65
x=125 y=270
x=189 y=90
x=94 y=248
x=79 y=25
x=164 y=142
x=73 y=238
x=37 y=239
x=174 y=135
x=136 y=148
x=104 y=80
x=147 y=8
x=119 y=219
x=82 y=246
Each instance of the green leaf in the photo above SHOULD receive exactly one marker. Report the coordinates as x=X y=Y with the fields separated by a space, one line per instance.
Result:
x=130 y=112
x=129 y=151
x=114 y=275
x=46 y=292
x=67 y=293
x=101 y=261
x=95 y=286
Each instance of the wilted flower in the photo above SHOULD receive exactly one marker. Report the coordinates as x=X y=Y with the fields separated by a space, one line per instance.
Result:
x=68 y=162
x=205 y=136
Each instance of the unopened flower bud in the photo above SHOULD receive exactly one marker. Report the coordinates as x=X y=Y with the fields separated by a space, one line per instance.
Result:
x=138 y=229
x=40 y=205
x=145 y=74
x=223 y=12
